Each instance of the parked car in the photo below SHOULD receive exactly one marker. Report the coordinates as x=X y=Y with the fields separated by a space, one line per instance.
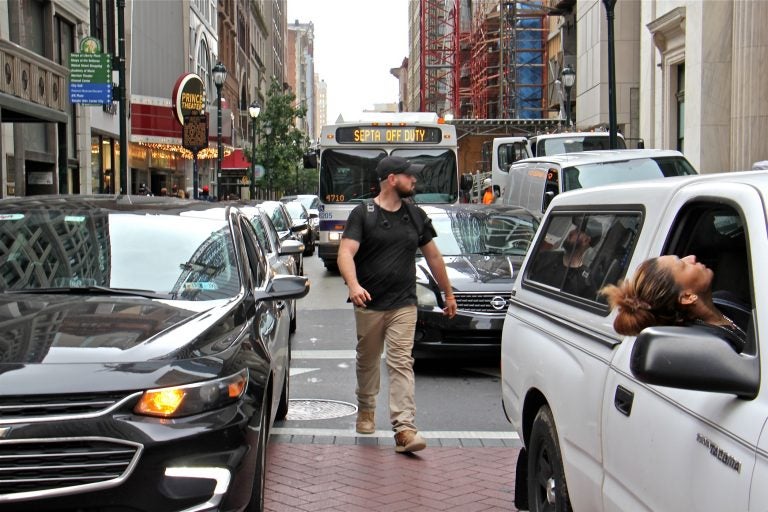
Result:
x=286 y=228
x=673 y=419
x=312 y=203
x=300 y=216
x=143 y=357
x=483 y=246
x=534 y=182
x=282 y=256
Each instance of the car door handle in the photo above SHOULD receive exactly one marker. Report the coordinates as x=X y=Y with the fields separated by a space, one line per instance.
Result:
x=623 y=400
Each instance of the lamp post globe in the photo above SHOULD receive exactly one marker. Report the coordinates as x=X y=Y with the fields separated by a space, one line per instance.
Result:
x=568 y=77
x=219 y=73
x=253 y=111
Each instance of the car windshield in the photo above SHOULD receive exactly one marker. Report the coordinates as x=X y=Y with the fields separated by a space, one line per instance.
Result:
x=477 y=231
x=604 y=173
x=175 y=257
x=576 y=144
x=296 y=210
x=276 y=215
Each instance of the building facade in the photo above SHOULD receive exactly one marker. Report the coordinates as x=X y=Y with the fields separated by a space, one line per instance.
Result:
x=44 y=142
x=300 y=73
x=702 y=69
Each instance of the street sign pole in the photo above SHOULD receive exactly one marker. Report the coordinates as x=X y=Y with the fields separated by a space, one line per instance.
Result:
x=194 y=137
x=195 y=176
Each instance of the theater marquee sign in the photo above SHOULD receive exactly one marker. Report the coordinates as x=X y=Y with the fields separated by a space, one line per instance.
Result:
x=188 y=97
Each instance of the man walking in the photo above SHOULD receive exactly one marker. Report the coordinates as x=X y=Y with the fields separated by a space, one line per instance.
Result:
x=377 y=261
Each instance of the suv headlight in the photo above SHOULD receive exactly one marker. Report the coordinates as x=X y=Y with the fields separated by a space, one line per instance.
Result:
x=178 y=401
x=425 y=296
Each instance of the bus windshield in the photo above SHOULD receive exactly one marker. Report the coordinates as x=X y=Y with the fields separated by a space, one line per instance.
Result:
x=348 y=175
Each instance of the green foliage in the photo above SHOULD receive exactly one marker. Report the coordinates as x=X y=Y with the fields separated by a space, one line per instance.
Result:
x=280 y=145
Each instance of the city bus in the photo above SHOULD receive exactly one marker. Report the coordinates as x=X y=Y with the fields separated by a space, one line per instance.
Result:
x=349 y=152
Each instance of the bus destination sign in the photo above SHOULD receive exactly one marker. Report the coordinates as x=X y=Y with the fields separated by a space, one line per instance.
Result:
x=388 y=135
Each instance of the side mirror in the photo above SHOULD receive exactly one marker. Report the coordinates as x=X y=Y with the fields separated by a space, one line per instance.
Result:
x=693 y=358
x=497 y=191
x=285 y=287
x=290 y=248
x=466 y=182
x=641 y=144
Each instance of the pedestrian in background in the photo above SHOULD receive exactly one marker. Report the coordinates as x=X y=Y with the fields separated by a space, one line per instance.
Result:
x=377 y=259
x=488 y=196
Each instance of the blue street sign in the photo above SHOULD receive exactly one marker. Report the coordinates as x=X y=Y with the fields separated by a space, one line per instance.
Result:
x=90 y=93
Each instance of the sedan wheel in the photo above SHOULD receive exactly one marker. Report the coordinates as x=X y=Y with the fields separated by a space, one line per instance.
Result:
x=260 y=477
x=547 y=489
x=282 y=406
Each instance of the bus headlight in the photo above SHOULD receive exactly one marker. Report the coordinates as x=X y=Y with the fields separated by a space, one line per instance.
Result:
x=425 y=296
x=334 y=236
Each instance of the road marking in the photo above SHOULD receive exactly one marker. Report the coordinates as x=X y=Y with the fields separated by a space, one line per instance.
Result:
x=429 y=434
x=299 y=371
x=323 y=354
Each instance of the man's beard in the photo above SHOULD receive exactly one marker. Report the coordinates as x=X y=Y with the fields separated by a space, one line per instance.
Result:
x=569 y=245
x=405 y=193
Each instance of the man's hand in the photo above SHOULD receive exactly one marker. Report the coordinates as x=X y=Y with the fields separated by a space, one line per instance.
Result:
x=450 y=306
x=359 y=296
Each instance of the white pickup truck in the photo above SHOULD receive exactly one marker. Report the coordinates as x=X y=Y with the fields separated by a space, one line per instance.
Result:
x=673 y=419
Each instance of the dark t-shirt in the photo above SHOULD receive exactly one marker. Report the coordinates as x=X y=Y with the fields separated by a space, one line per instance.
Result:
x=385 y=261
x=549 y=269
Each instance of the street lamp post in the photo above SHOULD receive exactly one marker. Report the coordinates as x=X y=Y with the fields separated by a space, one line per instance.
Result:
x=254 y=110
x=219 y=76
x=569 y=79
x=268 y=171
x=612 y=129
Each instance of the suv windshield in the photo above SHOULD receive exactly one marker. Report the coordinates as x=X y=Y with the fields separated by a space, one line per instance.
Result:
x=604 y=173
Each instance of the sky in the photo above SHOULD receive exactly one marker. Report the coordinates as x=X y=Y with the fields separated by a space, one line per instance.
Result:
x=357 y=42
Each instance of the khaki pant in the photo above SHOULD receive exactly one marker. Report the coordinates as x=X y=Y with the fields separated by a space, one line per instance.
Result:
x=395 y=329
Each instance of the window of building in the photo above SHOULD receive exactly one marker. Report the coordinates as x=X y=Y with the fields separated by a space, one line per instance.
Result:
x=680 y=98
x=34 y=26
x=204 y=65
x=668 y=33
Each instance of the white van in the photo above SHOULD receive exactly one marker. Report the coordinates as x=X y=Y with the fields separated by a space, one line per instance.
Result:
x=534 y=182
x=505 y=152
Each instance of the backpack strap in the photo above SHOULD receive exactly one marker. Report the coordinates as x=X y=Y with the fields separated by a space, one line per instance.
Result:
x=412 y=211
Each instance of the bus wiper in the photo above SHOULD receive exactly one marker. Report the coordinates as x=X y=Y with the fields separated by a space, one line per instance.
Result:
x=92 y=290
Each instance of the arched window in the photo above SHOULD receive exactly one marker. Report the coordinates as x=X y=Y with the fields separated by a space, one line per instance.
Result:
x=204 y=67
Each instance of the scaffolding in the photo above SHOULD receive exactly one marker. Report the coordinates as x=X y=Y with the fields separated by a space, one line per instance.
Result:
x=506 y=49
x=483 y=59
x=439 y=42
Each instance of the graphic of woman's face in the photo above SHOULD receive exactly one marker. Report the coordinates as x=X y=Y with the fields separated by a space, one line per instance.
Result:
x=691 y=275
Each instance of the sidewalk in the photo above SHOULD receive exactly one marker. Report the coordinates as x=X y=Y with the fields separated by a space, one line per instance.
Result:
x=364 y=474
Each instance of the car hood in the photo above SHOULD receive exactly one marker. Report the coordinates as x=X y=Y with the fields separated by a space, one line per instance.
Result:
x=52 y=329
x=65 y=343
x=475 y=272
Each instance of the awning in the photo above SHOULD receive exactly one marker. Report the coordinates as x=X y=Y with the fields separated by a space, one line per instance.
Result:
x=235 y=160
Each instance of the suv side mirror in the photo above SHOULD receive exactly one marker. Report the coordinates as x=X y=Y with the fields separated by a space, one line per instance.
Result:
x=466 y=182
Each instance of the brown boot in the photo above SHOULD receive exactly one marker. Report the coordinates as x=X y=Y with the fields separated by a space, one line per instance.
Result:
x=408 y=441
x=365 y=422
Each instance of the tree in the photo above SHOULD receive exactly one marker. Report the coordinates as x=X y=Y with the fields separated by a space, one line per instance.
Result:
x=281 y=145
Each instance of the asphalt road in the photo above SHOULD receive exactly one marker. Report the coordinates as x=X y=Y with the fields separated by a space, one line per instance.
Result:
x=450 y=396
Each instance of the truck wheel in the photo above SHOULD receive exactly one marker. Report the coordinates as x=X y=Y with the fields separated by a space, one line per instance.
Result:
x=547 y=489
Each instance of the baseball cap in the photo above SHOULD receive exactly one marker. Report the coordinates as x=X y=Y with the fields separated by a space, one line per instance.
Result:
x=396 y=165
x=487 y=182
x=205 y=188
